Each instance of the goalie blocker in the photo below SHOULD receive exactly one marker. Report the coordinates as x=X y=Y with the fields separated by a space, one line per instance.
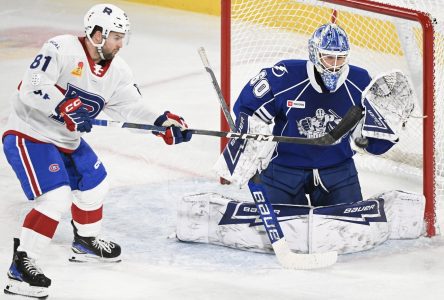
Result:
x=345 y=228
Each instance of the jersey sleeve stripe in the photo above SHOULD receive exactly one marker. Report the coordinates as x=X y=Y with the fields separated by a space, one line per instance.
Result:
x=263 y=116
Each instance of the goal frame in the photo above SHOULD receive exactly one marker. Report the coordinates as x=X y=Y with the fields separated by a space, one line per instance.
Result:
x=428 y=84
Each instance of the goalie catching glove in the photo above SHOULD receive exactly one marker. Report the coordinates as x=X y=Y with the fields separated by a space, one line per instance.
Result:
x=177 y=129
x=241 y=159
x=388 y=103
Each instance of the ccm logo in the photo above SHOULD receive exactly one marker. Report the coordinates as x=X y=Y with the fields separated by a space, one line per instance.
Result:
x=73 y=105
x=54 y=168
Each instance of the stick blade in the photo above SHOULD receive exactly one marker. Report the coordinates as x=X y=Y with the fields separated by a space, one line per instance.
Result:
x=290 y=260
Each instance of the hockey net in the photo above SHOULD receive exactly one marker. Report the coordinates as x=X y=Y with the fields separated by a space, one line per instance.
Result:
x=263 y=32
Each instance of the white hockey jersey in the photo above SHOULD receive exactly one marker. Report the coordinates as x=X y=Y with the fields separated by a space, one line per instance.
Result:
x=63 y=68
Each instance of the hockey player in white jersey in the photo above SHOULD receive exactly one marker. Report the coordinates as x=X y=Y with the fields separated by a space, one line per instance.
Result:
x=69 y=82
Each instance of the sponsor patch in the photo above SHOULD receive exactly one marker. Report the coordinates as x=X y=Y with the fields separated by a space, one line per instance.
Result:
x=295 y=104
x=78 y=70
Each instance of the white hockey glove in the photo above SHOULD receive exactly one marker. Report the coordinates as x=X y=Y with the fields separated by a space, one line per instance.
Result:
x=388 y=102
x=241 y=159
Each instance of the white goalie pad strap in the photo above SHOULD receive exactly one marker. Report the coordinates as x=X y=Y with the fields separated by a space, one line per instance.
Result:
x=241 y=159
x=388 y=101
x=346 y=228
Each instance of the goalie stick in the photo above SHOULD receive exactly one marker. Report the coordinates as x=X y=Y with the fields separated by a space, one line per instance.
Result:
x=220 y=96
x=287 y=258
x=347 y=123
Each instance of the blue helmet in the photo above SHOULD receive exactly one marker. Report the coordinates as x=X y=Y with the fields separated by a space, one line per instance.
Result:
x=328 y=50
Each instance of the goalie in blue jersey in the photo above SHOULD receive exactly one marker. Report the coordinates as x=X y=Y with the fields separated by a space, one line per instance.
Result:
x=308 y=99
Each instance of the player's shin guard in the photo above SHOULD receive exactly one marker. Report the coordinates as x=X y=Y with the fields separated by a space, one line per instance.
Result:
x=41 y=222
x=25 y=277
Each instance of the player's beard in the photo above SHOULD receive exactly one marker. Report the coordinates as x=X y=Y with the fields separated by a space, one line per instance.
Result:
x=108 y=55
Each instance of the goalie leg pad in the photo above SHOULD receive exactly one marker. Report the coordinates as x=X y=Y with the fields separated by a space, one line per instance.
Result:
x=199 y=217
x=405 y=214
x=346 y=228
x=215 y=219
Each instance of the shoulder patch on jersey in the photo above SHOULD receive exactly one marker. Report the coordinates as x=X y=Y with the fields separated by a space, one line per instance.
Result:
x=279 y=70
x=78 y=70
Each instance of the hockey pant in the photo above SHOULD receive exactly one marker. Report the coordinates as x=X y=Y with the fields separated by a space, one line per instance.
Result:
x=346 y=228
x=56 y=181
x=328 y=186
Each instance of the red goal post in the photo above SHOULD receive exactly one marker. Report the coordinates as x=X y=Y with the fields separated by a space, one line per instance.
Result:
x=247 y=44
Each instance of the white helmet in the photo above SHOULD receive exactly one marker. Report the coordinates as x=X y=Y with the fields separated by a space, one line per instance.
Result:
x=110 y=18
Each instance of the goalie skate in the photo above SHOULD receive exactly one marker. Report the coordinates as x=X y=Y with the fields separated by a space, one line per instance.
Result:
x=93 y=249
x=25 y=277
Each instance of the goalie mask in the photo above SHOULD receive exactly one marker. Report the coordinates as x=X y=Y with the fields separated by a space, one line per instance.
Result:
x=108 y=18
x=328 y=50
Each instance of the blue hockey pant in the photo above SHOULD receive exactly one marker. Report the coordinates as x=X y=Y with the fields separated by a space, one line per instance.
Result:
x=328 y=186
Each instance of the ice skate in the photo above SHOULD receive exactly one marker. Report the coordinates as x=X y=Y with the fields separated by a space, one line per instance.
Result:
x=25 y=277
x=93 y=249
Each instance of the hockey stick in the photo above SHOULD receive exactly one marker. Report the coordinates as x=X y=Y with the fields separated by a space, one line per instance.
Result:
x=347 y=123
x=222 y=102
x=287 y=258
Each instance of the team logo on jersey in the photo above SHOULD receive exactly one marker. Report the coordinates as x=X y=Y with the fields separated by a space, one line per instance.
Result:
x=318 y=125
x=279 y=70
x=54 y=168
x=295 y=104
x=94 y=103
x=98 y=69
x=78 y=70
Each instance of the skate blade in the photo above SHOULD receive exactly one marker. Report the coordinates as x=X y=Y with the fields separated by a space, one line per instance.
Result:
x=15 y=287
x=89 y=258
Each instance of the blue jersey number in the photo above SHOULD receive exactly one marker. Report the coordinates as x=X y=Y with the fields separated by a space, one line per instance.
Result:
x=37 y=61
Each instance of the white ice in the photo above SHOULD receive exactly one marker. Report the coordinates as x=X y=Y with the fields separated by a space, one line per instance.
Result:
x=148 y=178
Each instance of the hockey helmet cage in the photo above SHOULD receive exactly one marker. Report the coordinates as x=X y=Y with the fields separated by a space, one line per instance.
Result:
x=329 y=41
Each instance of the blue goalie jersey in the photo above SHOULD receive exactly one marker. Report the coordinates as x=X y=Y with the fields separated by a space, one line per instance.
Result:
x=289 y=94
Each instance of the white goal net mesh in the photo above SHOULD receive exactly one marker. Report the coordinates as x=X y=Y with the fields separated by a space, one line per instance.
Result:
x=264 y=32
